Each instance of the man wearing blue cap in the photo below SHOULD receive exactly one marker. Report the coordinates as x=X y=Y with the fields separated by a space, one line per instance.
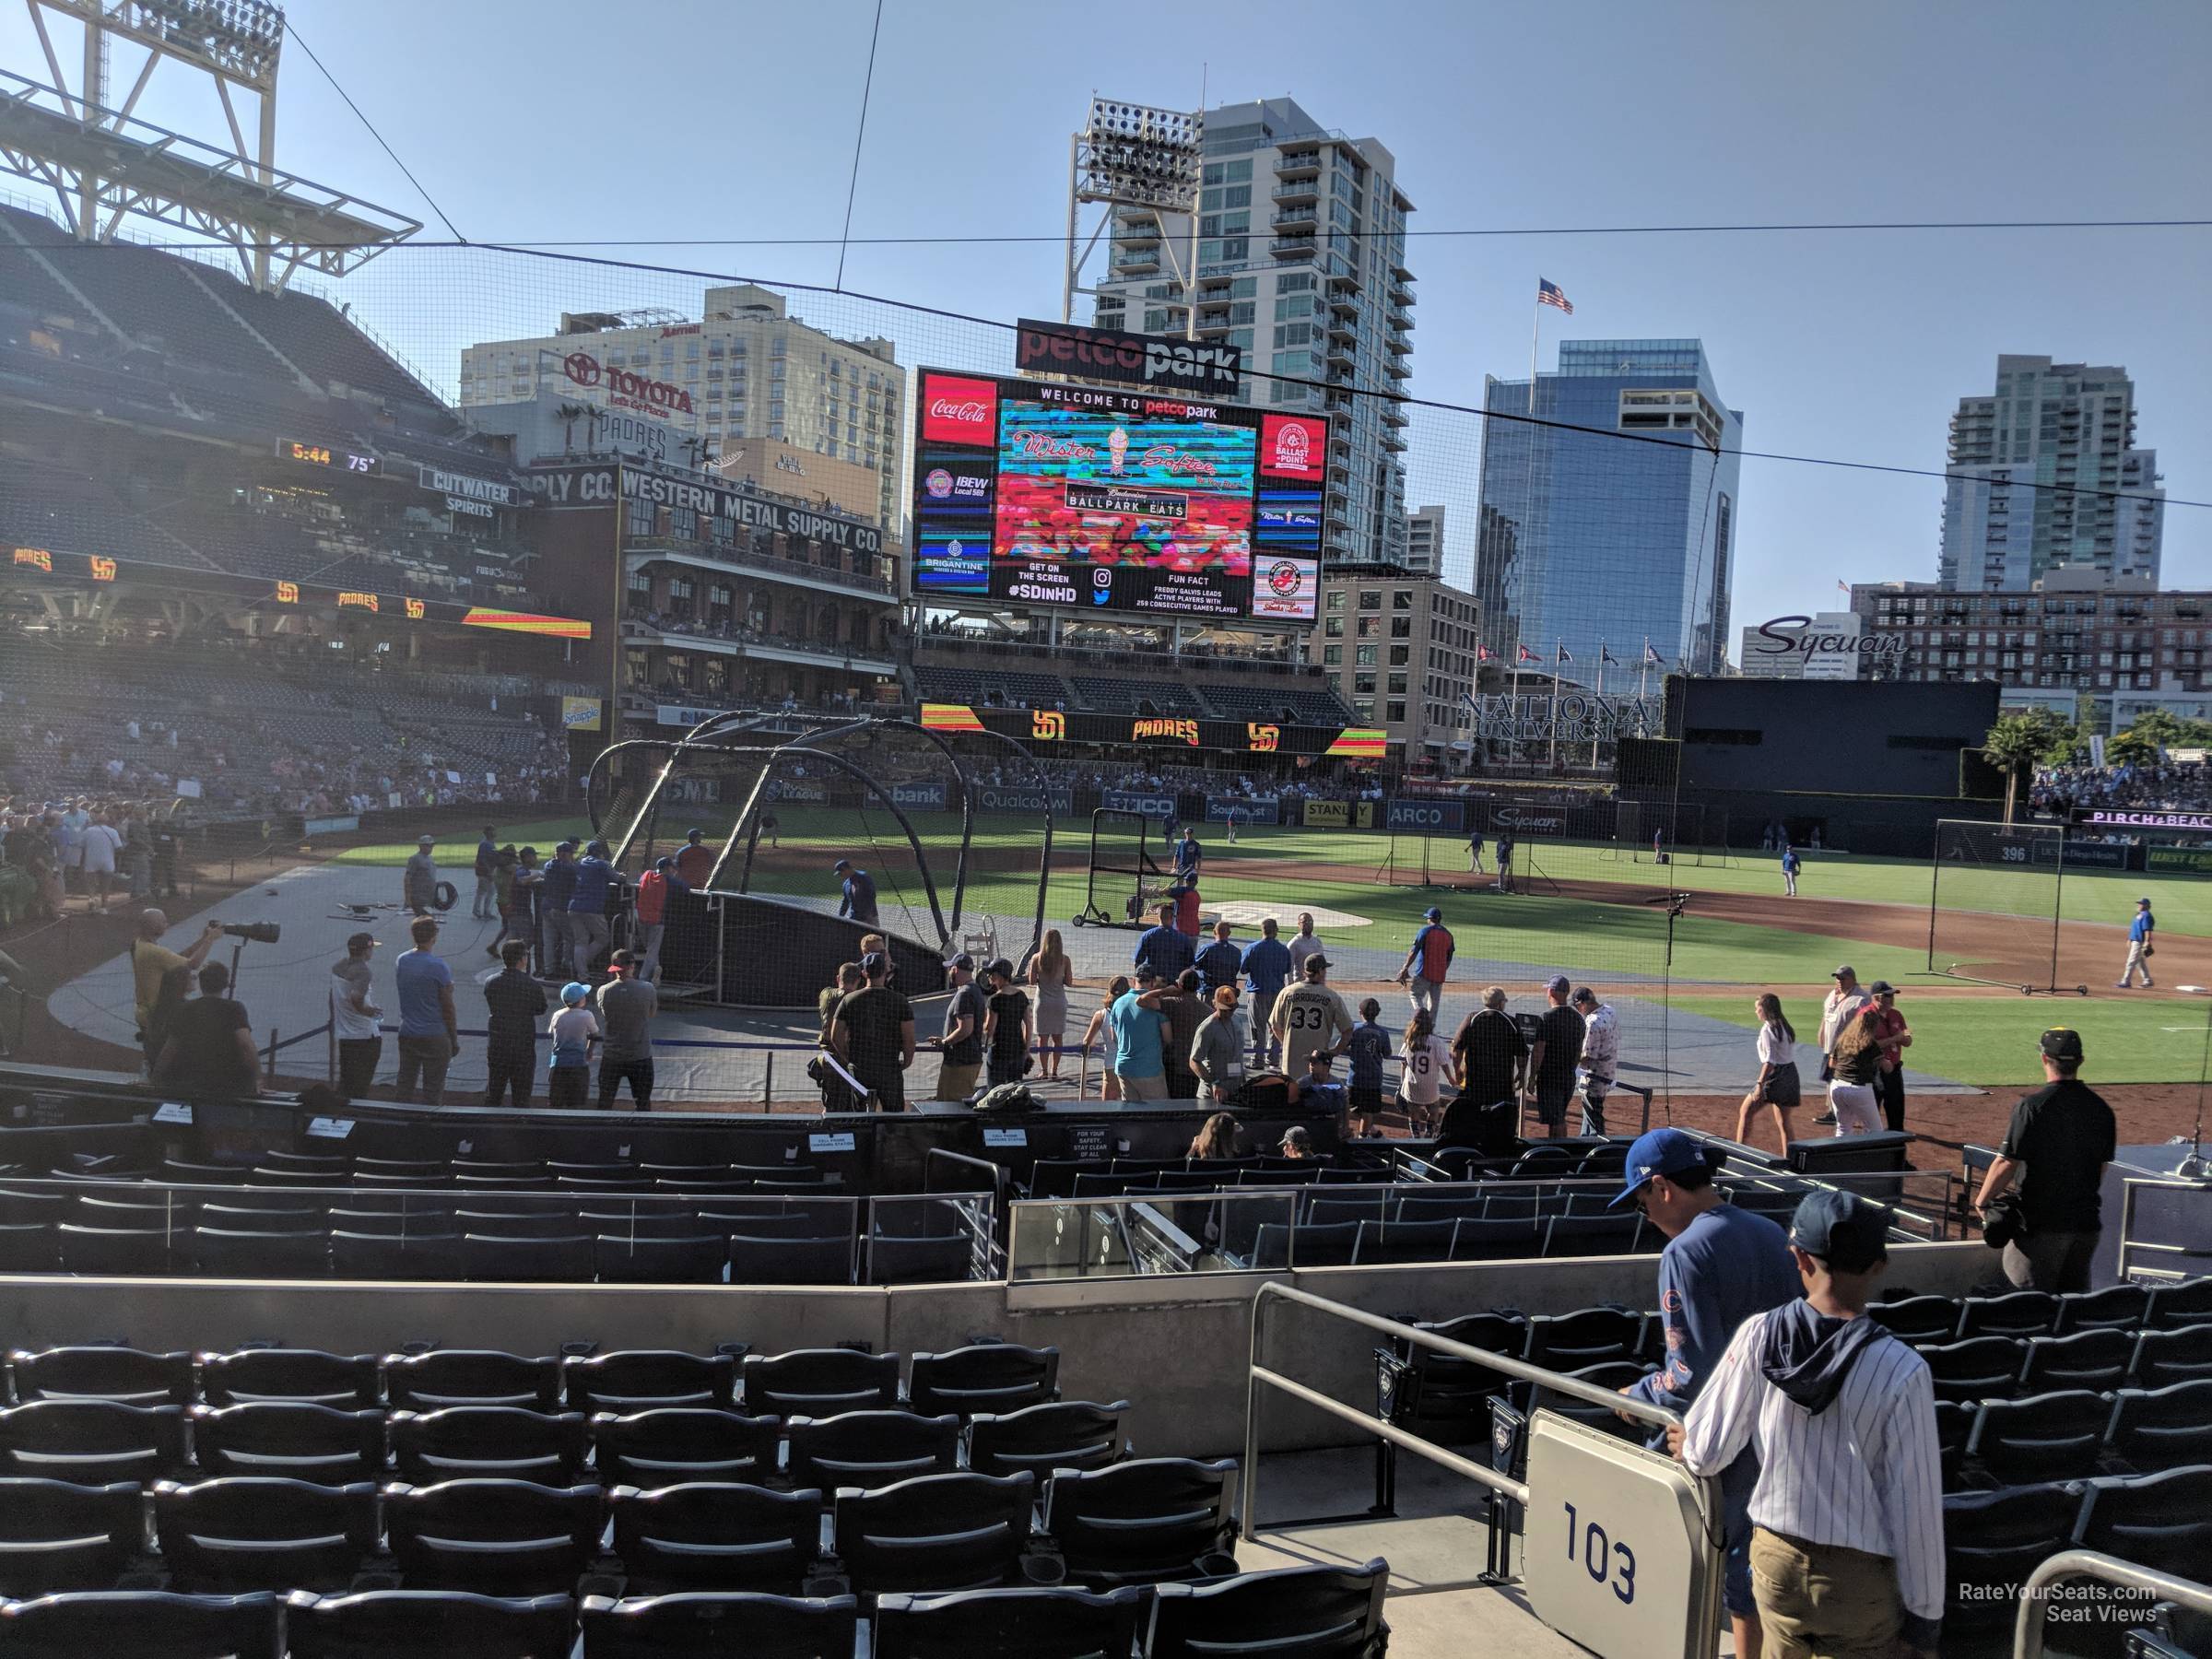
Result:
x=1720 y=1267
x=588 y=931
x=1847 y=1516
x=859 y=892
x=1425 y=964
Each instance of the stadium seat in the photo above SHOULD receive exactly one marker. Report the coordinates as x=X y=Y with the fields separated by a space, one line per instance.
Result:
x=1567 y=1342
x=2155 y=1429
x=1059 y=1434
x=818 y=1382
x=2097 y=1360
x=1380 y=1242
x=1611 y=1375
x=1466 y=1208
x=259 y=1252
x=302 y=1376
x=983 y=1376
x=143 y=1624
x=1309 y=1244
x=918 y=1259
x=500 y=1538
x=488 y=1443
x=1594 y=1235
x=96 y=1442
x=2054 y=1436
x=127 y=1376
x=428 y=1623
x=691 y=1259
x=379 y=1255
x=1954 y=1426
x=649 y=1379
x=510 y=1257
x=113 y=1251
x=29 y=1246
x=763 y=1259
x=1144 y=1521
x=1335 y=1211
x=719 y=1622
x=622 y=1223
x=671 y=1444
x=1008 y=1624
x=2016 y=1314
x=1918 y=1319
x=2162 y=1357
x=1314 y=1612
x=2115 y=1307
x=717 y=1534
x=938 y=1532
x=1991 y=1541
x=871 y=1447
x=56 y=1536
x=2187 y=1302
x=2162 y=1522
x=255 y=1532
x=472 y=1377
x=1501 y=1239
x=291 y=1438
x=1981 y=1367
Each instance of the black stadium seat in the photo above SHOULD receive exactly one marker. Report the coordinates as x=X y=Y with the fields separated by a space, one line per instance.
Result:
x=291 y=1439
x=2096 y=1360
x=871 y=1447
x=718 y=1622
x=1059 y=1434
x=488 y=1443
x=1980 y=1368
x=2163 y=1358
x=1438 y=1396
x=2115 y=1307
x=763 y=1259
x=92 y=1440
x=1567 y=1342
x=128 y=1376
x=717 y=1534
x=472 y=1377
x=984 y=1376
x=259 y=1252
x=940 y=1532
x=2042 y=1437
x=1918 y=1319
x=248 y=1533
x=58 y=1535
x=1144 y=1521
x=143 y=1624
x=2162 y=1522
x=428 y=1623
x=1991 y=1541
x=1008 y=1624
x=1378 y=1242
x=2016 y=1314
x=1314 y=1612
x=113 y=1251
x=2187 y=1302
x=392 y=1255
x=672 y=1444
x=2162 y=1428
x=304 y=1376
x=819 y=1382
x=500 y=1538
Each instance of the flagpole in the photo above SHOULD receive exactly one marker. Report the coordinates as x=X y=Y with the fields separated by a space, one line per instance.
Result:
x=1598 y=720
x=1643 y=667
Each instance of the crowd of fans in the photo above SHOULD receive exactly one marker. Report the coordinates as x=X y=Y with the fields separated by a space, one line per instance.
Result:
x=105 y=848
x=2168 y=786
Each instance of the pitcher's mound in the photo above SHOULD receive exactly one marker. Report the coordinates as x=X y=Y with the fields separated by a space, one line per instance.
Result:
x=1246 y=913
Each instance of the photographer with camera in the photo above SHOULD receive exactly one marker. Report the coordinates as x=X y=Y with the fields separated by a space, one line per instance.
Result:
x=208 y=1049
x=152 y=961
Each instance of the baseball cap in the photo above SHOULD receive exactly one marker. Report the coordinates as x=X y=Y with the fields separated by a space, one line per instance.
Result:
x=570 y=844
x=1296 y=1136
x=1320 y=1057
x=842 y=864
x=1317 y=961
x=1663 y=1152
x=1584 y=994
x=574 y=992
x=1844 y=971
x=1003 y=969
x=1846 y=1232
x=620 y=959
x=2062 y=1042
x=355 y=941
x=1882 y=988
x=2145 y=899
x=873 y=961
x=663 y=865
x=597 y=849
x=693 y=834
x=1556 y=984
x=1433 y=914
x=962 y=960
x=426 y=840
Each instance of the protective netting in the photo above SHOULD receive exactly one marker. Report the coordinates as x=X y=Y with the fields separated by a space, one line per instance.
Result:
x=1993 y=902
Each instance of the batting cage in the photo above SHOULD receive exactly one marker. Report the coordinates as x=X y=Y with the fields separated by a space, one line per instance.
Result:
x=1124 y=880
x=1993 y=896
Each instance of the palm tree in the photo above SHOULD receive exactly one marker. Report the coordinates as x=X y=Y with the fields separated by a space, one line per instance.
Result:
x=569 y=414
x=2020 y=739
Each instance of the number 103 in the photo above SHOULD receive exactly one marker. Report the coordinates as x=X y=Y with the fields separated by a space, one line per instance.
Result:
x=1601 y=1558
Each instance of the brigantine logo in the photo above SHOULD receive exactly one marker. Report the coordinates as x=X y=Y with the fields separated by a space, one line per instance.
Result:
x=1176 y=731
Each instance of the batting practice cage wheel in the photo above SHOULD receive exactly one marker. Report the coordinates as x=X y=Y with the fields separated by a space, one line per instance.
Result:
x=1125 y=881
x=779 y=802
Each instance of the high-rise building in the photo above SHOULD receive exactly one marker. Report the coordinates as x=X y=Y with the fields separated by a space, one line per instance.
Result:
x=747 y=375
x=1402 y=649
x=1588 y=540
x=1302 y=262
x=2044 y=474
x=1425 y=540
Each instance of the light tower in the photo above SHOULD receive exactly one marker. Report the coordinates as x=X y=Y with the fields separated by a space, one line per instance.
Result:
x=1143 y=163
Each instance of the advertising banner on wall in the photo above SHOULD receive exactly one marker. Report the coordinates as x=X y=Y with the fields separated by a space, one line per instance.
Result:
x=1160 y=806
x=1012 y=797
x=924 y=797
x=1220 y=809
x=1329 y=814
x=580 y=715
x=1403 y=814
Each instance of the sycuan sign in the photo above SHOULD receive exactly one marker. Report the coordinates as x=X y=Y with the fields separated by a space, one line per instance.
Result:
x=1794 y=635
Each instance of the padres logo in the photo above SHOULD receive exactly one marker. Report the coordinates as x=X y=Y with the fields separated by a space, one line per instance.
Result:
x=1048 y=725
x=1261 y=738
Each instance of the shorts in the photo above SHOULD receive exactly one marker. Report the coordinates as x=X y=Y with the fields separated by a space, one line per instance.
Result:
x=1365 y=1103
x=1782 y=1087
x=1154 y=1087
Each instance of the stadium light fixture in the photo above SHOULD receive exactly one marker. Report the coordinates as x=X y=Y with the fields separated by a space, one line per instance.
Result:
x=1139 y=160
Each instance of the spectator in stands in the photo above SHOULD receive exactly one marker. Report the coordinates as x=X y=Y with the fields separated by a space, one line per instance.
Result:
x=516 y=1000
x=430 y=1031
x=587 y=907
x=574 y=1032
x=1553 y=1056
x=484 y=904
x=1217 y=1049
x=1267 y=969
x=1163 y=951
x=1051 y=975
x=874 y=1034
x=857 y=892
x=627 y=1005
x=1721 y=1266
x=1777 y=1088
x=354 y=1016
x=1845 y=997
x=1007 y=1031
x=557 y=950
x=418 y=879
x=1600 y=1057
x=207 y=1050
x=1219 y=963
x=1425 y=964
x=654 y=890
x=1140 y=1036
x=1310 y=1016
x=961 y=1046
x=1846 y=1550
x=1488 y=1055
x=1318 y=1090
x=1297 y=1143
x=150 y=959
x=1423 y=1066
x=1892 y=1037
x=1218 y=1137
x=695 y=859
x=1185 y=1009
x=1303 y=944
x=1366 y=1049
x=1856 y=1060
x=2055 y=1150
x=1099 y=1025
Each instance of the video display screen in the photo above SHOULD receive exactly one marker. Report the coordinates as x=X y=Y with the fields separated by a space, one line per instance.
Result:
x=1034 y=493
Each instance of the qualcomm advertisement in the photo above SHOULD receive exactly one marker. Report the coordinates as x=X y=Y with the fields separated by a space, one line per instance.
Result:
x=1009 y=797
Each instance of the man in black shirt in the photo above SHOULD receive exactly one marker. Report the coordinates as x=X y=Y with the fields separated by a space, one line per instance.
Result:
x=1553 y=1057
x=2056 y=1147
x=963 y=1043
x=1489 y=1055
x=510 y=1052
x=873 y=1032
x=209 y=1052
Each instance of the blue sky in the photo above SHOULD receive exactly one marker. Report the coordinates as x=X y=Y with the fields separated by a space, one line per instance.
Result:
x=666 y=119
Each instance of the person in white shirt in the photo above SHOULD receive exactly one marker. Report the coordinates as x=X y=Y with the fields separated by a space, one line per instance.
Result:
x=1425 y=1063
x=1847 y=1517
x=354 y=1016
x=1847 y=997
x=1600 y=1060
x=1303 y=944
x=98 y=847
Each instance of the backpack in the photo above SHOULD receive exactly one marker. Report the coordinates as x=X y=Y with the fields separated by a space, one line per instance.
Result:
x=1006 y=1098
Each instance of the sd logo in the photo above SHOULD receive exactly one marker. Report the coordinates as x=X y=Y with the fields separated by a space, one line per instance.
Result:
x=1048 y=725
x=1262 y=739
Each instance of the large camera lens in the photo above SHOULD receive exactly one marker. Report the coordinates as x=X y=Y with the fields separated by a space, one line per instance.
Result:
x=258 y=932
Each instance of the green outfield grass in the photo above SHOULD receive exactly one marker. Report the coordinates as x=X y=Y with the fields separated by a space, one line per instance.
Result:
x=1991 y=1041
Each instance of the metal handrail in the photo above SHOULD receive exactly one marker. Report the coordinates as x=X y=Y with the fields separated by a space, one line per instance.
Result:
x=2027 y=1629
x=1707 y=1638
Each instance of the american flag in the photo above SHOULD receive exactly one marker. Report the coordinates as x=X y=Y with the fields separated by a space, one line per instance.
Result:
x=1548 y=293
x=1843 y=587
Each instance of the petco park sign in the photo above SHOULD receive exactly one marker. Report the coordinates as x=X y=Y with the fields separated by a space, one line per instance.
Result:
x=625 y=390
x=1127 y=359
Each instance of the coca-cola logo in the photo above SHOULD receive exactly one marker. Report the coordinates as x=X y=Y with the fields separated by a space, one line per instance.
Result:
x=956 y=409
x=944 y=408
x=582 y=368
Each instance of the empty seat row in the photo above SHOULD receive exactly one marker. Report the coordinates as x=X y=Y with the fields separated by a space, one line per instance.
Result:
x=1323 y=1610
x=2126 y=1307
x=2072 y=1434
x=2002 y=1368
x=1363 y=1244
